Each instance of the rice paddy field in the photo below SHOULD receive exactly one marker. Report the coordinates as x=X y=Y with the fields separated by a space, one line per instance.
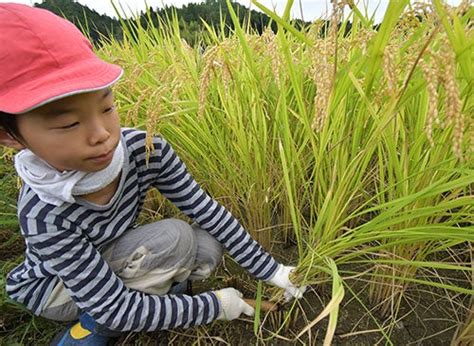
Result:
x=348 y=153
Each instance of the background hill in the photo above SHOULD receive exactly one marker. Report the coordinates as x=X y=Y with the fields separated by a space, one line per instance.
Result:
x=191 y=17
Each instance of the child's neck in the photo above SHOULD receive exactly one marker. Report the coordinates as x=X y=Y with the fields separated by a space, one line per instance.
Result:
x=104 y=195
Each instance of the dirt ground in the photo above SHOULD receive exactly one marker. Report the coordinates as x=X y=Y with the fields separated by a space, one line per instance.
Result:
x=427 y=324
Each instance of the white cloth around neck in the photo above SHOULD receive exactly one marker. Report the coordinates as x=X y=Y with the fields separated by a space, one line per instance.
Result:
x=55 y=187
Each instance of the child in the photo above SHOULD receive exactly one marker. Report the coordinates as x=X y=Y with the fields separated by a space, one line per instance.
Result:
x=85 y=181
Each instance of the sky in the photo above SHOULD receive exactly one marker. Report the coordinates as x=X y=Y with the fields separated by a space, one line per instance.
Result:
x=311 y=9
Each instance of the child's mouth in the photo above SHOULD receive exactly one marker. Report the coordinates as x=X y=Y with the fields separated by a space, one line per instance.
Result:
x=103 y=158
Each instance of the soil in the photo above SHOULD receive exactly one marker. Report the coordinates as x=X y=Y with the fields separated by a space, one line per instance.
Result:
x=11 y=245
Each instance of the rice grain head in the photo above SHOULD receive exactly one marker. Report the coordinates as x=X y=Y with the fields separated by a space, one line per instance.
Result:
x=447 y=59
x=361 y=40
x=209 y=61
x=390 y=69
x=431 y=77
x=271 y=46
x=133 y=114
x=463 y=7
x=227 y=56
x=323 y=72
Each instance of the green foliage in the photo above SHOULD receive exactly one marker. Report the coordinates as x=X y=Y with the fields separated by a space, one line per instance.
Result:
x=191 y=16
x=95 y=24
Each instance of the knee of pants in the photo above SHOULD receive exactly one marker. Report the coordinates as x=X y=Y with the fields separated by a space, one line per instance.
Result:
x=164 y=244
x=65 y=312
x=173 y=245
x=209 y=250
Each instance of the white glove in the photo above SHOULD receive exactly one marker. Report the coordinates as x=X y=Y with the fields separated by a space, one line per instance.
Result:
x=232 y=304
x=282 y=280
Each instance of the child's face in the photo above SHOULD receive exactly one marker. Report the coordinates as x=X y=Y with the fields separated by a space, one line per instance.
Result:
x=79 y=132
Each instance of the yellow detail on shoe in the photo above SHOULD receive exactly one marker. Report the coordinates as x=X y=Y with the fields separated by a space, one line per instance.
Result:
x=77 y=332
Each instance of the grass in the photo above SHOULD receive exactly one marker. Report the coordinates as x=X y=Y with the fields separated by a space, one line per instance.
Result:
x=352 y=154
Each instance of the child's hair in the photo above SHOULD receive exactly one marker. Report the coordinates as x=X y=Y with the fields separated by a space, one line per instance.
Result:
x=9 y=124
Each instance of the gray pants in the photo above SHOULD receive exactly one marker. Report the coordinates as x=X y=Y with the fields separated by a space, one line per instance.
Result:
x=150 y=259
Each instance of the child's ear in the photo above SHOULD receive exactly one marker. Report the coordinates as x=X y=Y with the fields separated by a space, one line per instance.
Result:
x=7 y=140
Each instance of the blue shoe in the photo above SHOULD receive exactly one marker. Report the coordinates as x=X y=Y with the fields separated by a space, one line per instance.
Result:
x=85 y=332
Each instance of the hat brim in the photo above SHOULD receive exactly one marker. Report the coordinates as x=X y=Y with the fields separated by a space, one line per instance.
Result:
x=85 y=76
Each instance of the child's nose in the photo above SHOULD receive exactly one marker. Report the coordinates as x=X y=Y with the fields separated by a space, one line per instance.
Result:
x=98 y=133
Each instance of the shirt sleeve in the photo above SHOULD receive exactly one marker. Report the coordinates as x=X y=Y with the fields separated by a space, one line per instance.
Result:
x=96 y=289
x=177 y=185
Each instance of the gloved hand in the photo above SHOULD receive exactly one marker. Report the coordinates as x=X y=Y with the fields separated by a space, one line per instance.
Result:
x=232 y=304
x=282 y=280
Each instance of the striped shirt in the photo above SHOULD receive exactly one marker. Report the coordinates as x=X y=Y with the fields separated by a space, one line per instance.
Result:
x=64 y=243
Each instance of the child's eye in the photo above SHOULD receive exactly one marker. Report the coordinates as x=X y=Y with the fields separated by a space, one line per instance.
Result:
x=69 y=126
x=110 y=109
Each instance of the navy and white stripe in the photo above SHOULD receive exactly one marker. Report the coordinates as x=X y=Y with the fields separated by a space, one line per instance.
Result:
x=64 y=243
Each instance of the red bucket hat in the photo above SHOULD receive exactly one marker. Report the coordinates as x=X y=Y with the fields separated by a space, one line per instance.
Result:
x=43 y=58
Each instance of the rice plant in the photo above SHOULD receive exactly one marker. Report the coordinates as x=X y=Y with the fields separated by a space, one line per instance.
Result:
x=356 y=145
